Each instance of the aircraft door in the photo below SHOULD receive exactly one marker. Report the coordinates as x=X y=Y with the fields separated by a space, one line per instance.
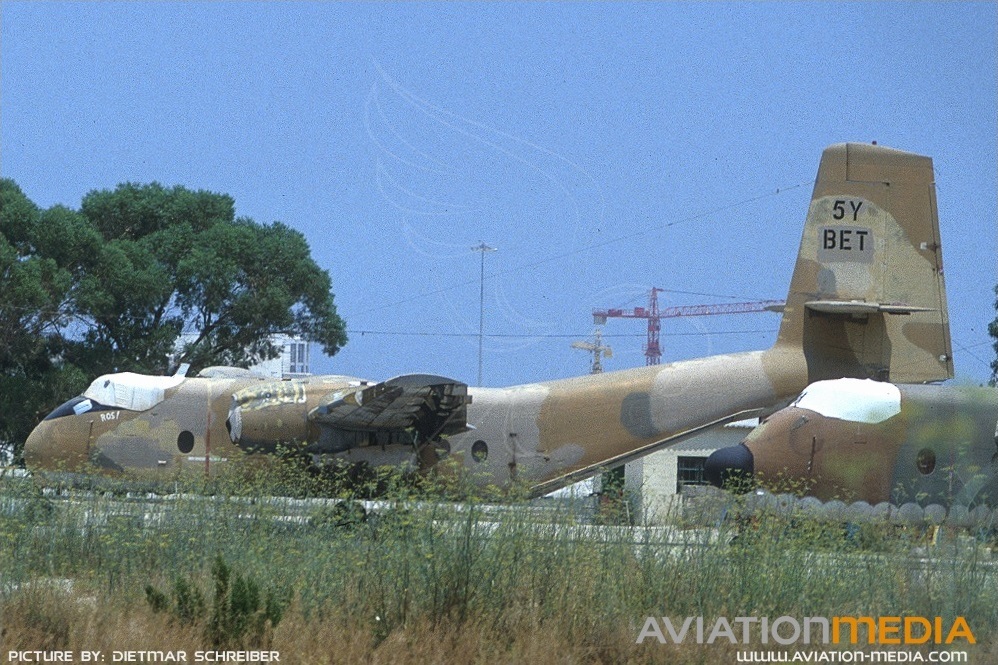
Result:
x=523 y=434
x=489 y=451
x=185 y=420
x=804 y=447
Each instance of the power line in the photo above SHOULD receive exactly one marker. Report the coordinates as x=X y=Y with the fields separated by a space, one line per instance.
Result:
x=967 y=350
x=604 y=243
x=399 y=333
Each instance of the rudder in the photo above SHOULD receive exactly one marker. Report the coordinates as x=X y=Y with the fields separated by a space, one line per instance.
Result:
x=867 y=297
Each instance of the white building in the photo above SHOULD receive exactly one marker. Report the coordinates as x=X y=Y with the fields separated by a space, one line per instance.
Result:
x=655 y=483
x=293 y=363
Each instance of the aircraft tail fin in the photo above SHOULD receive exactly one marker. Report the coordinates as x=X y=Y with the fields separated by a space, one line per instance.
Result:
x=867 y=297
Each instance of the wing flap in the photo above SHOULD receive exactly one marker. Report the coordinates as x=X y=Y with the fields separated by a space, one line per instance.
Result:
x=431 y=405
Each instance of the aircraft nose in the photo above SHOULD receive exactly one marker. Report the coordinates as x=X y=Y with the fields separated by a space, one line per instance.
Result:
x=50 y=446
x=731 y=463
x=33 y=445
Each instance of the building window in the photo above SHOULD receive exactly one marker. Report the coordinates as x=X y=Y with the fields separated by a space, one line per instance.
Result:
x=689 y=471
x=297 y=358
x=303 y=357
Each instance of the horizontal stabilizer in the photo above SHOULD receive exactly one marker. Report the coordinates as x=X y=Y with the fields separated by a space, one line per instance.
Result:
x=432 y=405
x=863 y=307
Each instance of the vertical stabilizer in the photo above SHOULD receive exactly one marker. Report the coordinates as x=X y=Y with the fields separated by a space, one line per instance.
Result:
x=867 y=297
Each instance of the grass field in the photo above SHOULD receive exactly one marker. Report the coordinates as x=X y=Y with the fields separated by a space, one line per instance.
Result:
x=444 y=582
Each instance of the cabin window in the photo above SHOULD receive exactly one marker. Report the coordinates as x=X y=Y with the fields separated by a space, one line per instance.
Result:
x=442 y=447
x=185 y=442
x=926 y=461
x=479 y=451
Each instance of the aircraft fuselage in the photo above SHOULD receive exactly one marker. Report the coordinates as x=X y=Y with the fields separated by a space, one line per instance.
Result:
x=545 y=434
x=905 y=443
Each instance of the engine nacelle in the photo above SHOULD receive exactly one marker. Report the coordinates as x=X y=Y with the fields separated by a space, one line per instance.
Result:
x=267 y=415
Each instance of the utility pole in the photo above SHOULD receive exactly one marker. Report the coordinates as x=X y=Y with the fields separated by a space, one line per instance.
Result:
x=481 y=304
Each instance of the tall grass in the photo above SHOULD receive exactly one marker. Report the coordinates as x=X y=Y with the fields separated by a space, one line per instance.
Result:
x=426 y=580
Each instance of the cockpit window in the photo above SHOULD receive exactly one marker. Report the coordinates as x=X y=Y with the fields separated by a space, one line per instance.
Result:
x=125 y=390
x=76 y=407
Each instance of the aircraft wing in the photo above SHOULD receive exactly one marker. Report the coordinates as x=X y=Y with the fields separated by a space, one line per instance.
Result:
x=431 y=405
x=575 y=476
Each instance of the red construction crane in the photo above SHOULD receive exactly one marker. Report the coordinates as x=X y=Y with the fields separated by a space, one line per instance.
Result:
x=653 y=352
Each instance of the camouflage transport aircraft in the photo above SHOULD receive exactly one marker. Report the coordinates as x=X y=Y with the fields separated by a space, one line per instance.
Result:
x=855 y=440
x=866 y=300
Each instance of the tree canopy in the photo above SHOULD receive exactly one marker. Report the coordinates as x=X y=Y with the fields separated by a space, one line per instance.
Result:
x=143 y=278
x=36 y=283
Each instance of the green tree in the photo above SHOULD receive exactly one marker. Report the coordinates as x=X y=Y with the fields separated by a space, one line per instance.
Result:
x=140 y=278
x=244 y=279
x=177 y=264
x=36 y=285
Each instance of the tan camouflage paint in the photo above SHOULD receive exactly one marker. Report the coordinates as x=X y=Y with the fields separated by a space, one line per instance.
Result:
x=602 y=420
x=544 y=432
x=890 y=193
x=831 y=458
x=119 y=439
x=879 y=205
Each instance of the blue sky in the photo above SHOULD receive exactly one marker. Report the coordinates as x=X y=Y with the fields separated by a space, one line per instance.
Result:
x=603 y=148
